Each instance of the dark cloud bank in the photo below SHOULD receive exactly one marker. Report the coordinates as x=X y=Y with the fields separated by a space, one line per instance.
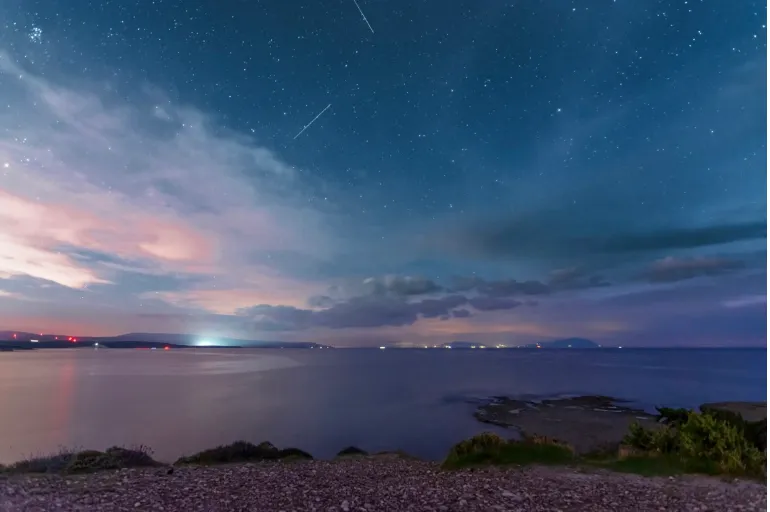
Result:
x=399 y=300
x=547 y=236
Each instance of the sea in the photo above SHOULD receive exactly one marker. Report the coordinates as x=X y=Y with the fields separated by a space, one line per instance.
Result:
x=181 y=401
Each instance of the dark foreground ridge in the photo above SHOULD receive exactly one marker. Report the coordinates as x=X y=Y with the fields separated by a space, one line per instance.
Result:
x=650 y=470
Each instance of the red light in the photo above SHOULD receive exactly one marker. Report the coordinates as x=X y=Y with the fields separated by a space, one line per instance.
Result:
x=57 y=337
x=74 y=340
x=14 y=336
x=165 y=348
x=69 y=339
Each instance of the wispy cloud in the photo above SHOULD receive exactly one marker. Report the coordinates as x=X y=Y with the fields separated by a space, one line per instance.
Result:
x=154 y=186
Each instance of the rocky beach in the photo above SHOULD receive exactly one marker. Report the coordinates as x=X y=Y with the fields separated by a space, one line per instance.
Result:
x=554 y=466
x=587 y=423
x=372 y=483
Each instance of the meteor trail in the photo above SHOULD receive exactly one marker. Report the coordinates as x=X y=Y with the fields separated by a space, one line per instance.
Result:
x=313 y=121
x=363 y=16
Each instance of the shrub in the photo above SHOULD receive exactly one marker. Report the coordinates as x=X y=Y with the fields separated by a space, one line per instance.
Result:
x=640 y=437
x=545 y=441
x=239 y=451
x=351 y=450
x=294 y=454
x=243 y=451
x=488 y=448
x=86 y=461
x=42 y=464
x=705 y=442
x=670 y=416
x=90 y=460
x=135 y=456
x=754 y=431
x=707 y=437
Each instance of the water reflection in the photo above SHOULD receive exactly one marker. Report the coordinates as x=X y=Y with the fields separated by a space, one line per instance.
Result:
x=421 y=401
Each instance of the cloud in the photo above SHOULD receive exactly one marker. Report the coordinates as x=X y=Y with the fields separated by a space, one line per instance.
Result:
x=672 y=269
x=320 y=301
x=401 y=286
x=574 y=278
x=369 y=311
x=493 y=303
x=158 y=194
x=501 y=287
x=746 y=301
x=550 y=236
x=682 y=238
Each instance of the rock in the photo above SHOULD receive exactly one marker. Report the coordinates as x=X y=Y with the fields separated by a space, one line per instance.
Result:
x=345 y=506
x=587 y=423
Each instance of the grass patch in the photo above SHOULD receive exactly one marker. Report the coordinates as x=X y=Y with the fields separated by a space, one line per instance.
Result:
x=646 y=465
x=86 y=461
x=491 y=449
x=243 y=451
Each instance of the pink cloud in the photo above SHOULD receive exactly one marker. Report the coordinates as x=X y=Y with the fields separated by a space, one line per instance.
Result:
x=266 y=289
x=165 y=194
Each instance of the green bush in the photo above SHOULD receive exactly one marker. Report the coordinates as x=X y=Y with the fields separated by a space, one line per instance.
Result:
x=243 y=451
x=670 y=416
x=640 y=437
x=754 y=431
x=707 y=437
x=488 y=448
x=708 y=441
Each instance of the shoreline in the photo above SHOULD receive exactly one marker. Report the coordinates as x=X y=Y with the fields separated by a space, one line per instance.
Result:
x=587 y=422
x=483 y=473
x=567 y=417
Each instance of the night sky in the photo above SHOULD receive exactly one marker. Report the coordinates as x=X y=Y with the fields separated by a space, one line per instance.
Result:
x=496 y=171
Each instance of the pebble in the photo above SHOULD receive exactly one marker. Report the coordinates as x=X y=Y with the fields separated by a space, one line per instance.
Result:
x=378 y=484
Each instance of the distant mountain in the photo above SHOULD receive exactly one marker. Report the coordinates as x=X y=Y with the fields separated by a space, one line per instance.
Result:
x=189 y=339
x=565 y=343
x=138 y=339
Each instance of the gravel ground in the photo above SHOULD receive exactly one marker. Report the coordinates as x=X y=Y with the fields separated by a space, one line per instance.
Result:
x=373 y=484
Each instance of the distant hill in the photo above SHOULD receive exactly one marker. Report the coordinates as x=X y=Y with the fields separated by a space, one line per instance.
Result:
x=565 y=343
x=189 y=339
x=144 y=340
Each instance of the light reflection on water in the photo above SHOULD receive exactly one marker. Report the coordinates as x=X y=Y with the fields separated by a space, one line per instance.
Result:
x=180 y=401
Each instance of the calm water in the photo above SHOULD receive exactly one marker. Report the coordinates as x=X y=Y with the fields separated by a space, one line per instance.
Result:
x=181 y=401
